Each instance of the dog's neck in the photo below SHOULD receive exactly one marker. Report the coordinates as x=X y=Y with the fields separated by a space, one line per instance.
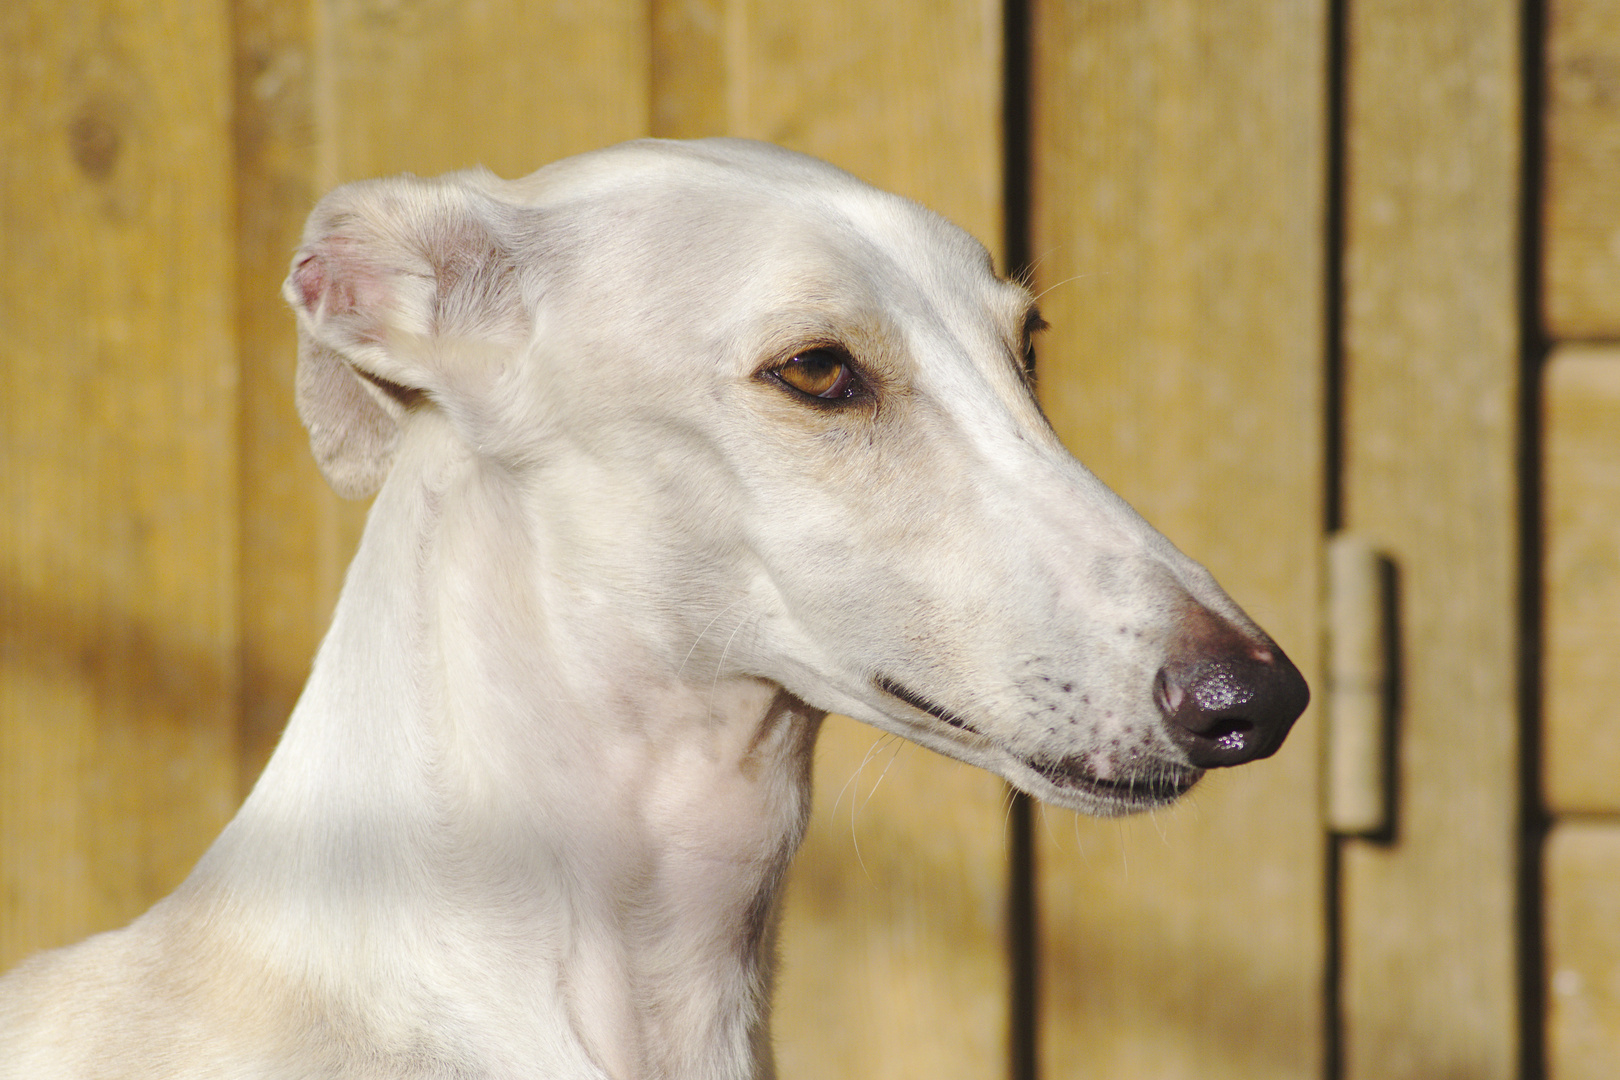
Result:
x=475 y=804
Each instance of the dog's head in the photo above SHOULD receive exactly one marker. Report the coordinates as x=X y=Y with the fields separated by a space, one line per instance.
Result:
x=786 y=418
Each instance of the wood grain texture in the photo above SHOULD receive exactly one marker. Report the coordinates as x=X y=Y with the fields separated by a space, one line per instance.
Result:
x=436 y=85
x=117 y=460
x=906 y=96
x=1581 y=214
x=1582 y=863
x=894 y=968
x=1432 y=397
x=891 y=962
x=688 y=59
x=1581 y=579
x=1179 y=224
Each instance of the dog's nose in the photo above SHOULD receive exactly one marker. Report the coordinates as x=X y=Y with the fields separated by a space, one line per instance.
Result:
x=1227 y=698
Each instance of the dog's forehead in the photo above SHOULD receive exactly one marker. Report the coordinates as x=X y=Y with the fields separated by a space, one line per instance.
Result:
x=750 y=251
x=768 y=230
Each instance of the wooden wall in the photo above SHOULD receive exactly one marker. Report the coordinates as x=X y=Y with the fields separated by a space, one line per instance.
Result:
x=1580 y=414
x=1179 y=210
x=119 y=548
x=1431 y=471
x=1301 y=258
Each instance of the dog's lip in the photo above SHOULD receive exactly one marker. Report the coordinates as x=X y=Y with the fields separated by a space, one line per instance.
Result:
x=1162 y=783
x=922 y=704
x=1145 y=785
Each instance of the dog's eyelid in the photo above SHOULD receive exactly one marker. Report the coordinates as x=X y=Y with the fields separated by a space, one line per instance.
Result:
x=829 y=345
x=1025 y=345
x=779 y=358
x=858 y=386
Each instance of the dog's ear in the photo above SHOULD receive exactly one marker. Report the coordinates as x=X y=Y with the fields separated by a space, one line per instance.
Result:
x=405 y=294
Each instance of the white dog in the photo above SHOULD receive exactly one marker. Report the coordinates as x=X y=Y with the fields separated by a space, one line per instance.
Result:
x=680 y=446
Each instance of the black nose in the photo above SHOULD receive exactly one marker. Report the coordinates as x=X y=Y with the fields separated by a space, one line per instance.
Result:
x=1227 y=697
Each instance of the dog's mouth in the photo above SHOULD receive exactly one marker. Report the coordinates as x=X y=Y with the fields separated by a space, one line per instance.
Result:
x=1137 y=789
x=922 y=704
x=1141 y=786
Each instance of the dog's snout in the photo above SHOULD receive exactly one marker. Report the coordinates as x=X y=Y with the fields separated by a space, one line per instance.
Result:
x=1226 y=698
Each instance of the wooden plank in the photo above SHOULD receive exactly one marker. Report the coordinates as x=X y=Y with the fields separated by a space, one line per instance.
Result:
x=1581 y=253
x=1582 y=863
x=508 y=84
x=894 y=968
x=891 y=941
x=1581 y=579
x=1179 y=223
x=1431 y=439
x=688 y=49
x=906 y=96
x=118 y=467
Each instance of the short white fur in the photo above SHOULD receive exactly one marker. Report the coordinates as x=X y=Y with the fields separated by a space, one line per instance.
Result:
x=531 y=813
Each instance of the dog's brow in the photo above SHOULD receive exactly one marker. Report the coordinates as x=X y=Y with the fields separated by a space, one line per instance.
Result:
x=867 y=335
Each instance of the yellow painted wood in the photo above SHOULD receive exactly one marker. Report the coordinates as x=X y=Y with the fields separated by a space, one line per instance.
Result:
x=891 y=961
x=906 y=95
x=1179 y=225
x=1582 y=863
x=117 y=459
x=1581 y=578
x=1581 y=253
x=894 y=968
x=1431 y=400
x=688 y=59
x=509 y=84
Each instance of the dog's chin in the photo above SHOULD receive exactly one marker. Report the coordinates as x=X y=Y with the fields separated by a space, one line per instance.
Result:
x=1068 y=782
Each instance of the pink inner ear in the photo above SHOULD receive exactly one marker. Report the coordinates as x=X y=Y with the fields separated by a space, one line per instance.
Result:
x=331 y=280
x=309 y=278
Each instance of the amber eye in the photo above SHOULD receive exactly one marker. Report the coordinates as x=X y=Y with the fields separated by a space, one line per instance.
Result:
x=821 y=373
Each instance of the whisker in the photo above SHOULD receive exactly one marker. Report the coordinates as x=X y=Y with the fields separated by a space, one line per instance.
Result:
x=899 y=745
x=856 y=804
x=704 y=631
x=855 y=776
x=720 y=665
x=1046 y=823
x=1069 y=280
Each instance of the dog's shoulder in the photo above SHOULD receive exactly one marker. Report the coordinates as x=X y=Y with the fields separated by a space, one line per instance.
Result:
x=69 y=1013
x=130 y=1004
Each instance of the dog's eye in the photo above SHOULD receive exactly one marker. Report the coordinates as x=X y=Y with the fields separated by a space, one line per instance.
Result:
x=821 y=373
x=1033 y=324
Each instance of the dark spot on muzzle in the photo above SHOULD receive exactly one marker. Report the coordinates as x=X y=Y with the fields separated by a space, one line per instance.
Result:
x=1228 y=695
